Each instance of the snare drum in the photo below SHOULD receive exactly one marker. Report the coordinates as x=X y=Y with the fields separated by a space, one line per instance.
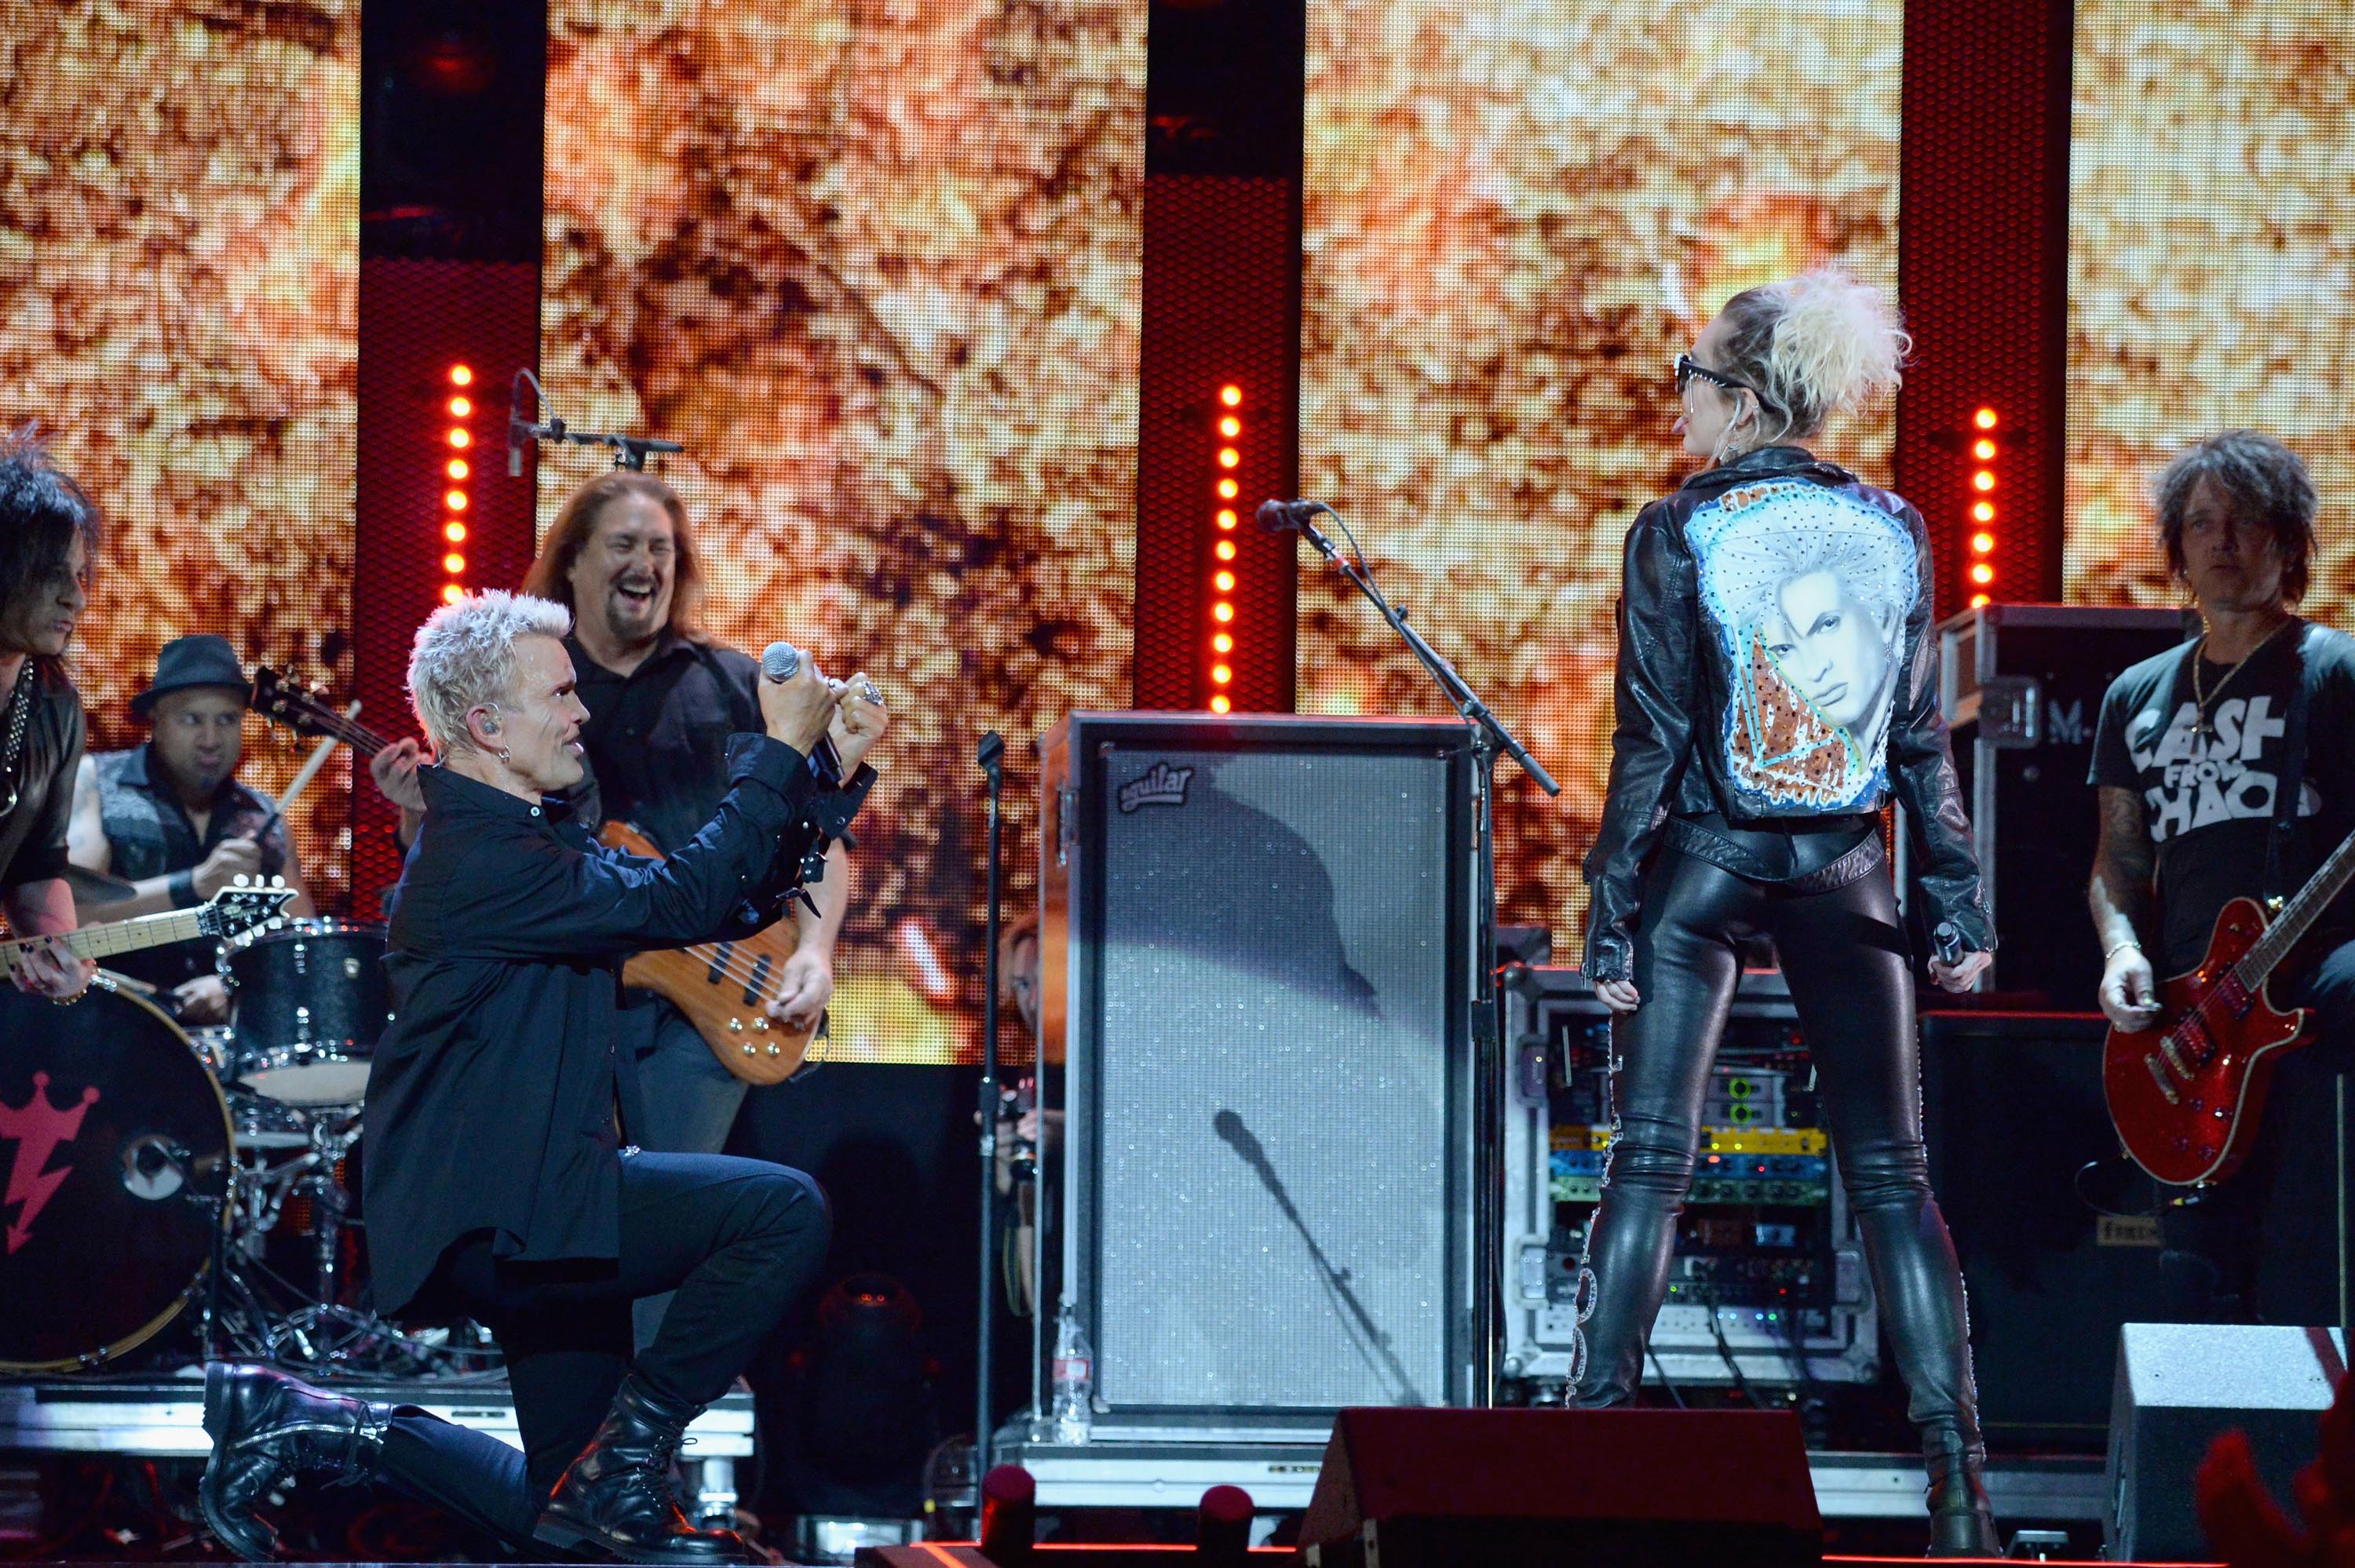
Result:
x=311 y=1001
x=118 y=1134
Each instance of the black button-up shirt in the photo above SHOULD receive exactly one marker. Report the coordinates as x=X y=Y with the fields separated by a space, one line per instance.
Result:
x=657 y=737
x=493 y=1097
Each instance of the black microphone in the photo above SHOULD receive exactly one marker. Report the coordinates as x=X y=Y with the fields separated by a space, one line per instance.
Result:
x=1280 y=516
x=516 y=427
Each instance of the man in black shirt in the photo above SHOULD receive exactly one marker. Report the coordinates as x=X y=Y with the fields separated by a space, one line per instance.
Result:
x=49 y=537
x=501 y=1178
x=170 y=818
x=2193 y=750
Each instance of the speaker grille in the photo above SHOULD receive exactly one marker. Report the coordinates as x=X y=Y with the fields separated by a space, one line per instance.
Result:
x=1274 y=1176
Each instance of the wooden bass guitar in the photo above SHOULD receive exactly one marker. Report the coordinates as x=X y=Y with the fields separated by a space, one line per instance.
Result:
x=2186 y=1091
x=723 y=986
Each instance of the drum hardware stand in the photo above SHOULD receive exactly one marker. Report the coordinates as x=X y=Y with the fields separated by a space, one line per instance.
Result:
x=1489 y=738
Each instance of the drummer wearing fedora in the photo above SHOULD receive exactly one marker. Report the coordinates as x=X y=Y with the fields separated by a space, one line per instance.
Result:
x=171 y=819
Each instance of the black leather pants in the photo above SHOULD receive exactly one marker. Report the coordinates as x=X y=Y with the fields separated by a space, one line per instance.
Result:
x=1844 y=954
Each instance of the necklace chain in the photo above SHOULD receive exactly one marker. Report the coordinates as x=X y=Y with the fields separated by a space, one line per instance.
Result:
x=2200 y=698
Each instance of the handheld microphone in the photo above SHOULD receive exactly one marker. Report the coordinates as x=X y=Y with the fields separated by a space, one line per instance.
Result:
x=782 y=662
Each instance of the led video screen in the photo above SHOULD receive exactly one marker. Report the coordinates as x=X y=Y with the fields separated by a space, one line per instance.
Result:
x=2209 y=267
x=1514 y=217
x=880 y=275
x=179 y=263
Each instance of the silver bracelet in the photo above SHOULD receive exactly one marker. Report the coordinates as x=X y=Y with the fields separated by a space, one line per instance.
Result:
x=2118 y=948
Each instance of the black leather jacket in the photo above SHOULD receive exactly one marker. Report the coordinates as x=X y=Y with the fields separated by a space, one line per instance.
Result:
x=1762 y=745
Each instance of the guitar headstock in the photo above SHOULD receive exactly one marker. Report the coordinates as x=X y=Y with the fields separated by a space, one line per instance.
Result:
x=236 y=910
x=277 y=697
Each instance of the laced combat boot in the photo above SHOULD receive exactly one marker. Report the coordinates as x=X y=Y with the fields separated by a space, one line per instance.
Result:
x=617 y=1500
x=265 y=1428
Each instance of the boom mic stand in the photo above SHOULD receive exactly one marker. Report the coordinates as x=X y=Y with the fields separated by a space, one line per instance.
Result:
x=629 y=452
x=991 y=755
x=1489 y=738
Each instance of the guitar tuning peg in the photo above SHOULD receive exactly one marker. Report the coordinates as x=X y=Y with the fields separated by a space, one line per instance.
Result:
x=239 y=880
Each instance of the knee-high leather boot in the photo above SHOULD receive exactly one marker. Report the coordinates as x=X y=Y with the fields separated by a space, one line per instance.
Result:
x=1919 y=1287
x=1629 y=1249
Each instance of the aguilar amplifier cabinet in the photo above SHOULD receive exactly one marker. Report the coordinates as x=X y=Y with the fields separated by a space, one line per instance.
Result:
x=2021 y=685
x=1256 y=958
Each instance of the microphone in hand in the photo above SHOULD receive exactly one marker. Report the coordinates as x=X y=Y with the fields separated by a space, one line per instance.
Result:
x=797 y=702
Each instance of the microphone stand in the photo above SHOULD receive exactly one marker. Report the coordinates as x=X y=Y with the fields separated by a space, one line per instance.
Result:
x=991 y=755
x=1490 y=738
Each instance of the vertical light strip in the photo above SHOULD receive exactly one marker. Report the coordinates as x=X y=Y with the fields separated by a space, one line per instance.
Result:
x=456 y=494
x=1985 y=451
x=1227 y=426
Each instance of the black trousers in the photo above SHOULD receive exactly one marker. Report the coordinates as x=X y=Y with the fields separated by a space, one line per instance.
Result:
x=1844 y=954
x=2263 y=1246
x=739 y=1240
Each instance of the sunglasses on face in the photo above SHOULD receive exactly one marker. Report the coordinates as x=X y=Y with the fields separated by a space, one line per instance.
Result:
x=1687 y=367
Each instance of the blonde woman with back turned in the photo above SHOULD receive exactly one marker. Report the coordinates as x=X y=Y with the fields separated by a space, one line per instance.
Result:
x=1775 y=691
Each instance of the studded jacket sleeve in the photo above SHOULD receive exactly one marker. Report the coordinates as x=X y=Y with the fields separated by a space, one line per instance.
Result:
x=1653 y=698
x=1922 y=775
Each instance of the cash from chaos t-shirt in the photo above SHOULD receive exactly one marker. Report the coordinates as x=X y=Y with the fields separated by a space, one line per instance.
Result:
x=2208 y=794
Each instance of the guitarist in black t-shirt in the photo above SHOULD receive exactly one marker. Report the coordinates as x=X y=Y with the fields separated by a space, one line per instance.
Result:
x=2195 y=751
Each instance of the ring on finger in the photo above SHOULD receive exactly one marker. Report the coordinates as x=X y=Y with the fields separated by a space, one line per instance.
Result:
x=869 y=692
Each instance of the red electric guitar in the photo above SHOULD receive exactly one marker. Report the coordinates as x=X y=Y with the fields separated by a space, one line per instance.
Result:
x=2186 y=1091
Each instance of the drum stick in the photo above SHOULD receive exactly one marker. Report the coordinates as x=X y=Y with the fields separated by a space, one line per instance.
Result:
x=308 y=771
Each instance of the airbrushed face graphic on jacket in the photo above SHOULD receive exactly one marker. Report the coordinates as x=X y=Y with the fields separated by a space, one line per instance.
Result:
x=1807 y=592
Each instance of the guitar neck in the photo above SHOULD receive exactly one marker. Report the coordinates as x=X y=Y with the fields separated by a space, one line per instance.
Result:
x=116 y=936
x=358 y=736
x=2293 y=921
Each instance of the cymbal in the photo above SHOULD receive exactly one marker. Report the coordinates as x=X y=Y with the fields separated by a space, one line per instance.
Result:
x=96 y=887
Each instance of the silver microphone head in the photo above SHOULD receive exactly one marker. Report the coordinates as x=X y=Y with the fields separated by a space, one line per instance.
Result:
x=780 y=660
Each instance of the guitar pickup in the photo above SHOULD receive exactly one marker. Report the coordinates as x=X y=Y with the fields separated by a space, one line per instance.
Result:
x=760 y=980
x=2158 y=1072
x=2174 y=1058
x=719 y=971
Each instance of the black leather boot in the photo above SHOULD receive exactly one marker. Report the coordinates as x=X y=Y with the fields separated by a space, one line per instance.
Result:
x=1630 y=1250
x=1927 y=1332
x=1961 y=1525
x=615 y=1500
x=266 y=1426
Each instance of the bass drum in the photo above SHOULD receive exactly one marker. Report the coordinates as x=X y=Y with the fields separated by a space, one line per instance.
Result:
x=111 y=1130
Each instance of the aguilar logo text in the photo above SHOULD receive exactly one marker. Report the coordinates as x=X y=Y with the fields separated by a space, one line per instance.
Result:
x=1159 y=785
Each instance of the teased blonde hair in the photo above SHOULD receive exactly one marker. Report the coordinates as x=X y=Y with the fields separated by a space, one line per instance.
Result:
x=1819 y=343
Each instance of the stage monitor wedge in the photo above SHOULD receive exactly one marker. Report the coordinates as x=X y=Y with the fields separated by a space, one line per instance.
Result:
x=1257 y=955
x=1580 y=1489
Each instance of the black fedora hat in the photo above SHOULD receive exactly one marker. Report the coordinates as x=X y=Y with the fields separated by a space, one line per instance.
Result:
x=201 y=659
